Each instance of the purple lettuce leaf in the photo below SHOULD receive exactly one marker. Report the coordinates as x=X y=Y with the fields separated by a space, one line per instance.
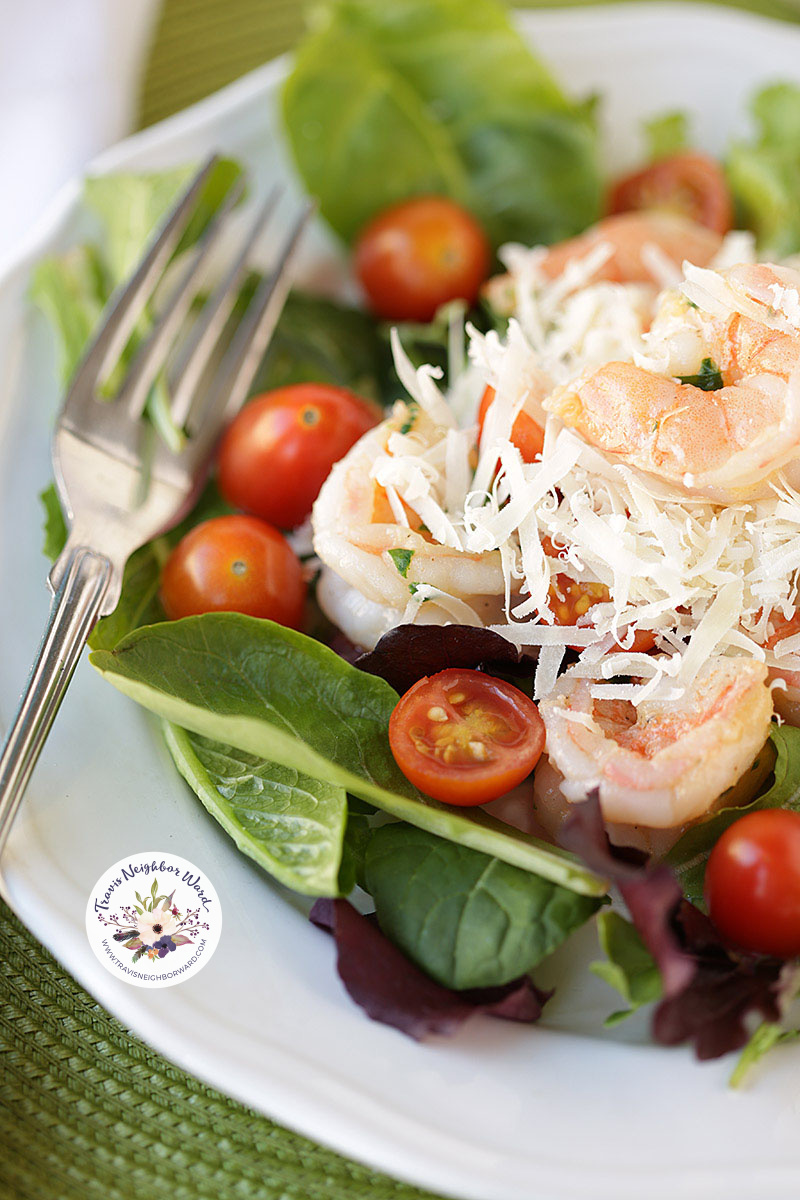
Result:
x=709 y=989
x=392 y=990
x=410 y=652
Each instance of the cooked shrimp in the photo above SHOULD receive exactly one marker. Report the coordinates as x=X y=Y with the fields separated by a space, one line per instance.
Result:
x=666 y=763
x=636 y=240
x=382 y=550
x=635 y=247
x=721 y=443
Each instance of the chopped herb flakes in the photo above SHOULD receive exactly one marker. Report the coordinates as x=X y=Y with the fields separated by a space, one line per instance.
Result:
x=708 y=379
x=402 y=560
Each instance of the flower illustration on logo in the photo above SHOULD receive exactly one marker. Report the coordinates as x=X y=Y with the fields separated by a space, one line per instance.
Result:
x=154 y=925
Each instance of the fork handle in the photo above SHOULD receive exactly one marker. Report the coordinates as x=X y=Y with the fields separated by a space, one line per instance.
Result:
x=75 y=608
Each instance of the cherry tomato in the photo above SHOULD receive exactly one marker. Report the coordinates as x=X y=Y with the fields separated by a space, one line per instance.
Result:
x=278 y=451
x=526 y=434
x=234 y=564
x=416 y=256
x=690 y=184
x=752 y=885
x=571 y=599
x=465 y=738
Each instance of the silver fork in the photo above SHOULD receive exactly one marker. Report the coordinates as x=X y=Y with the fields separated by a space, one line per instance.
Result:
x=118 y=487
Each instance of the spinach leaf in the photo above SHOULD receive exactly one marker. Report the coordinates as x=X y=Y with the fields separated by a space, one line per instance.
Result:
x=291 y=825
x=630 y=968
x=666 y=135
x=468 y=920
x=319 y=341
x=357 y=837
x=764 y=174
x=351 y=116
x=284 y=697
x=423 y=96
x=690 y=854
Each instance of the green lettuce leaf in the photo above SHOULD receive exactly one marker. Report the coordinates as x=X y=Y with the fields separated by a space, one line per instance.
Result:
x=131 y=205
x=71 y=290
x=690 y=854
x=468 y=920
x=666 y=134
x=629 y=968
x=282 y=696
x=764 y=173
x=423 y=96
x=766 y=1036
x=291 y=825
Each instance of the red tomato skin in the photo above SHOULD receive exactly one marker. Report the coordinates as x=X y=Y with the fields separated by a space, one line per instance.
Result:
x=526 y=434
x=418 y=255
x=691 y=183
x=752 y=884
x=467 y=785
x=199 y=575
x=278 y=451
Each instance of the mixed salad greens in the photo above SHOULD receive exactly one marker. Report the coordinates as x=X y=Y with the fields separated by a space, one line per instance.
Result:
x=285 y=742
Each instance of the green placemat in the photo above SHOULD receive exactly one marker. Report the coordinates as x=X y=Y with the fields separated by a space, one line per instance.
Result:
x=86 y=1110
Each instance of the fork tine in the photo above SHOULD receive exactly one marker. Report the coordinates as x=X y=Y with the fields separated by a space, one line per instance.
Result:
x=153 y=351
x=210 y=324
x=126 y=305
x=243 y=357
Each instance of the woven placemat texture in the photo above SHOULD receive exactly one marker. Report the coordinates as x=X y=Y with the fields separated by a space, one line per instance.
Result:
x=200 y=45
x=87 y=1110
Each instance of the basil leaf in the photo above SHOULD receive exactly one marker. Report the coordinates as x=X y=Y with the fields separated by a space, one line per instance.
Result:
x=291 y=825
x=690 y=853
x=709 y=378
x=468 y=920
x=435 y=96
x=284 y=697
x=630 y=968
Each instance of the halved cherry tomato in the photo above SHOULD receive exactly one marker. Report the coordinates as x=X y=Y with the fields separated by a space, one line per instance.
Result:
x=752 y=885
x=416 y=256
x=465 y=738
x=571 y=600
x=526 y=434
x=234 y=564
x=279 y=450
x=690 y=184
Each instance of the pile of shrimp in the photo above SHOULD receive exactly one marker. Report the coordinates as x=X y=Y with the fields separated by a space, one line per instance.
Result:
x=662 y=364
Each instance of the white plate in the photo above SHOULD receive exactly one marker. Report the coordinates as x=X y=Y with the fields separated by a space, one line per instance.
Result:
x=500 y=1112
